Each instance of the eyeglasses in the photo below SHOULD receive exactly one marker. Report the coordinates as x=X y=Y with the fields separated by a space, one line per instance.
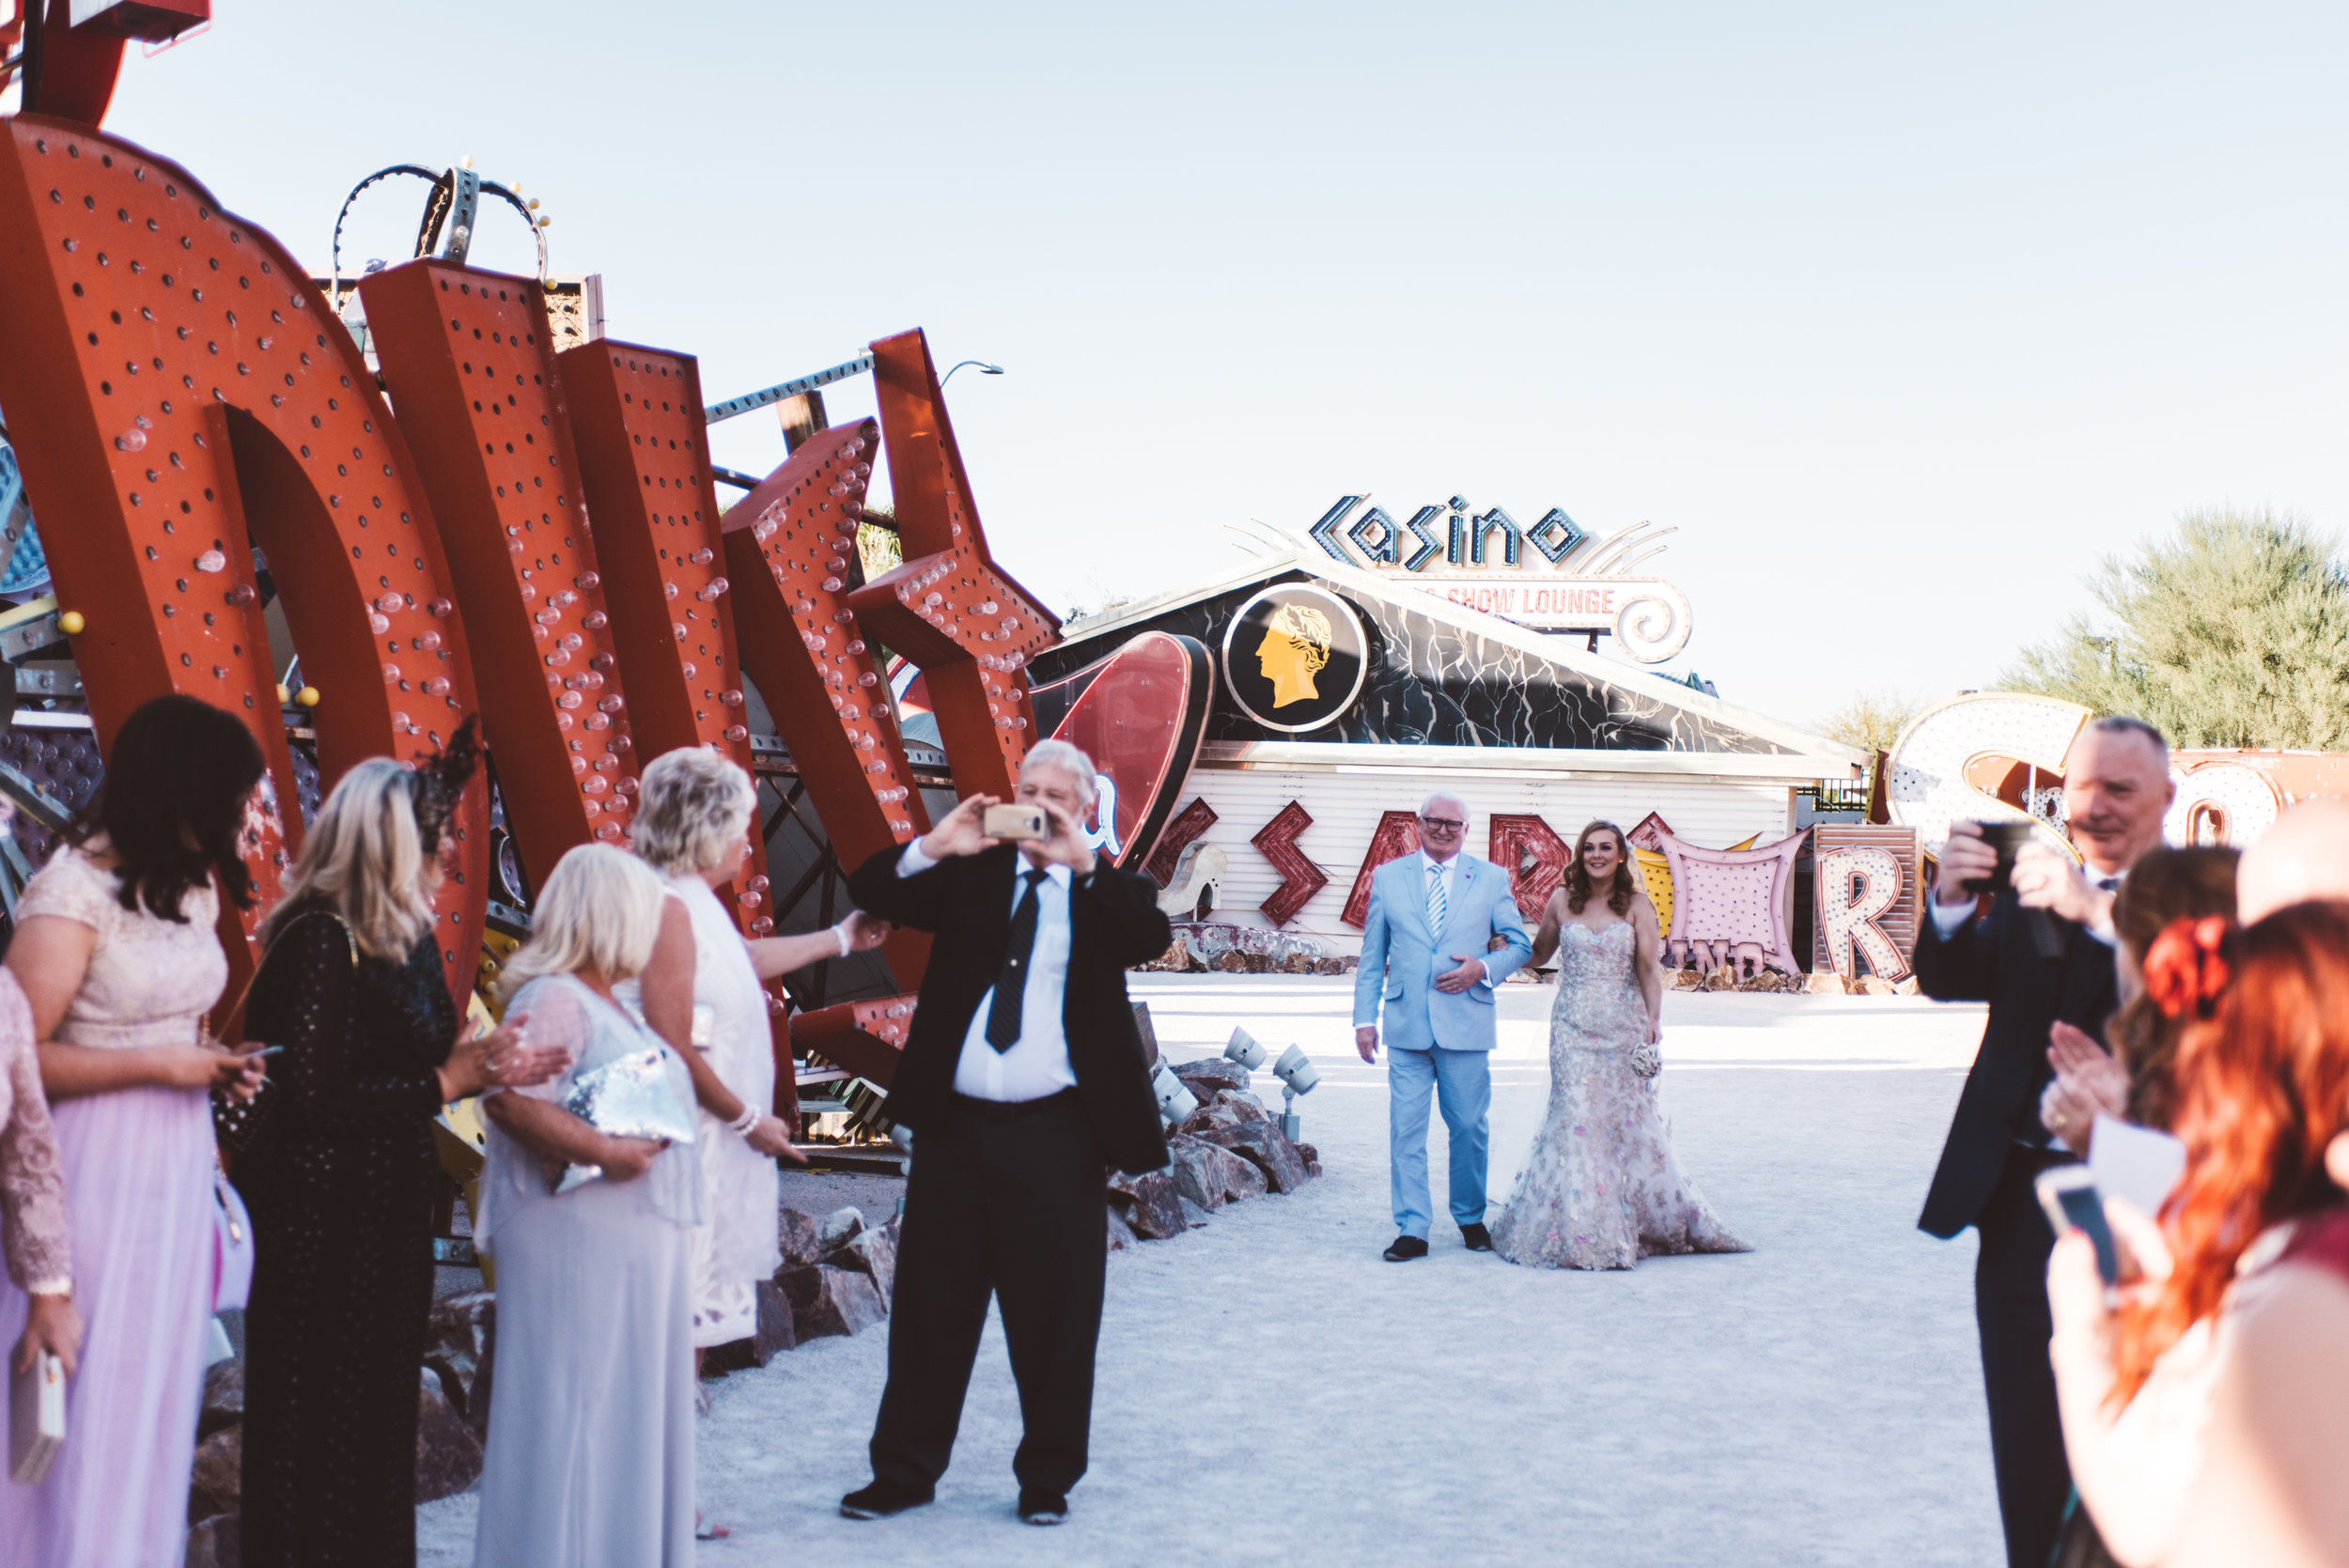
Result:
x=1441 y=824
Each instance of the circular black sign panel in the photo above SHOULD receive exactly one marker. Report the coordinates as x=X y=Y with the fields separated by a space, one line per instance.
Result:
x=1295 y=656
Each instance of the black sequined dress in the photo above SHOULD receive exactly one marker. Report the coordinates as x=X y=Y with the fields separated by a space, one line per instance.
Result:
x=340 y=1184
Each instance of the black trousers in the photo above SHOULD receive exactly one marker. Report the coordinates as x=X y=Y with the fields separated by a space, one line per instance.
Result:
x=1011 y=1205
x=2010 y=1314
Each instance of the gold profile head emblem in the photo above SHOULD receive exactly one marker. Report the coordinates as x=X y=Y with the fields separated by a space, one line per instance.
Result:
x=1294 y=649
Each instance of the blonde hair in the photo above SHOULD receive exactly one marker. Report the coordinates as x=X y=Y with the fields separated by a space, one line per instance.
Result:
x=364 y=857
x=691 y=807
x=600 y=910
x=1309 y=629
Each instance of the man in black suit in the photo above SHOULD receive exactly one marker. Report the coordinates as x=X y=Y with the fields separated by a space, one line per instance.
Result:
x=2043 y=952
x=1022 y=1081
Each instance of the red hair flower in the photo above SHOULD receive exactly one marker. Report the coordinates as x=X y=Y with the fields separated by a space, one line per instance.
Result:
x=2186 y=965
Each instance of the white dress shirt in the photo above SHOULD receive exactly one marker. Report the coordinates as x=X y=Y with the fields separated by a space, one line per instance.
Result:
x=1035 y=1065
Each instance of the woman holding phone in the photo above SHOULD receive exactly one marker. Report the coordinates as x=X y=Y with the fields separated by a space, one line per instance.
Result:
x=340 y=1171
x=2206 y=1415
x=119 y=954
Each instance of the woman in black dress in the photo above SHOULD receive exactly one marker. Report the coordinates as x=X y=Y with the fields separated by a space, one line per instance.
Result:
x=338 y=1169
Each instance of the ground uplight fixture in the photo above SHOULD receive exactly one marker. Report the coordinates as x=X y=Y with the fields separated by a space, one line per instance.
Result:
x=1298 y=1075
x=1244 y=1050
x=1176 y=1100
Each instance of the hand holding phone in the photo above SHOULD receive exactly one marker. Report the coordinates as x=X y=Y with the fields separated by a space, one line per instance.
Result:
x=1016 y=822
x=2069 y=1195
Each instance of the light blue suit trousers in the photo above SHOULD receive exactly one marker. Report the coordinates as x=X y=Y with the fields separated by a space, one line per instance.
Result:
x=1436 y=1043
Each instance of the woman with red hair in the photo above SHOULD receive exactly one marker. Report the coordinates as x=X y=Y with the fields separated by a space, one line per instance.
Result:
x=2206 y=1404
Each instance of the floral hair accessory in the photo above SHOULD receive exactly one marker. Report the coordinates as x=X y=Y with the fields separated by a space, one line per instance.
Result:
x=439 y=781
x=2186 y=965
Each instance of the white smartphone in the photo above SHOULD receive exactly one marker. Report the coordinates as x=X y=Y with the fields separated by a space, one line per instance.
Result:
x=2069 y=1195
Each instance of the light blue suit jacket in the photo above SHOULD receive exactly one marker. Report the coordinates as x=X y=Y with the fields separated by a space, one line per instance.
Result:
x=1402 y=957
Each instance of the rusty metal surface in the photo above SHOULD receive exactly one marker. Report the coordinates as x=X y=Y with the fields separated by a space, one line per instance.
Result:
x=865 y=1037
x=949 y=608
x=636 y=422
x=468 y=357
x=789 y=547
x=218 y=405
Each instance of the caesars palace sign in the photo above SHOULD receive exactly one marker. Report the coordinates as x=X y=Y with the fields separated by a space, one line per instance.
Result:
x=1550 y=576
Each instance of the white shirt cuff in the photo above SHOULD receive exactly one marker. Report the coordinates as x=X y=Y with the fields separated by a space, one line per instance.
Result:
x=63 y=1286
x=914 y=863
x=1947 y=918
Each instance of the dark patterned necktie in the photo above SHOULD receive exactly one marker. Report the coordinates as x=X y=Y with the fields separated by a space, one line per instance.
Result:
x=1011 y=985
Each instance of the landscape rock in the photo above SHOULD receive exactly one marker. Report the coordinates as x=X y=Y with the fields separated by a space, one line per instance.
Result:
x=1231 y=961
x=224 y=1396
x=1192 y=1214
x=448 y=1451
x=460 y=1348
x=839 y=1227
x=1121 y=1235
x=1266 y=1147
x=1331 y=966
x=873 y=1254
x=1870 y=986
x=1686 y=980
x=216 y=1481
x=1769 y=980
x=1906 y=987
x=1297 y=963
x=797 y=1234
x=771 y=1333
x=214 y=1542
x=829 y=1300
x=1152 y=1203
x=1211 y=1075
x=1825 y=983
x=1211 y=1176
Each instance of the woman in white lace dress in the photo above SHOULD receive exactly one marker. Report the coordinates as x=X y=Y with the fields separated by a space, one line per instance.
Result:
x=701 y=993
x=1601 y=1188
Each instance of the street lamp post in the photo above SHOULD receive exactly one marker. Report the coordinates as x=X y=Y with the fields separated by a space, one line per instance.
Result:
x=985 y=369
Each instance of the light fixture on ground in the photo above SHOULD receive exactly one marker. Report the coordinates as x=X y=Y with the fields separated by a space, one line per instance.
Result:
x=1244 y=1050
x=985 y=369
x=1298 y=1075
x=1176 y=1100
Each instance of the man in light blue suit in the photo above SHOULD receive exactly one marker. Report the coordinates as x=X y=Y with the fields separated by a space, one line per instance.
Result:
x=1432 y=917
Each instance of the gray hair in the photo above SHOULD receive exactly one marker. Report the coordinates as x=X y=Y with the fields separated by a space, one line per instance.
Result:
x=693 y=806
x=1061 y=753
x=1446 y=798
x=2122 y=723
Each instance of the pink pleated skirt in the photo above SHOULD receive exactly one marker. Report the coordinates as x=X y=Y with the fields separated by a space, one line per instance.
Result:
x=138 y=1183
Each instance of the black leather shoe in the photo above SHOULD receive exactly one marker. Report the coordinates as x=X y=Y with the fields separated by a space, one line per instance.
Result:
x=1478 y=1239
x=1043 y=1508
x=881 y=1499
x=1404 y=1249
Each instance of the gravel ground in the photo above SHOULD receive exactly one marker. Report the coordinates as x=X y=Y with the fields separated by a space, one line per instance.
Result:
x=1270 y=1390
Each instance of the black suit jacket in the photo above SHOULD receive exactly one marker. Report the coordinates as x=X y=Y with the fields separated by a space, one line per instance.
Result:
x=967 y=902
x=2033 y=967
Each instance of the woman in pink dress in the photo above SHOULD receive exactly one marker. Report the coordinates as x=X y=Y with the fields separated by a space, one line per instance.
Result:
x=116 y=953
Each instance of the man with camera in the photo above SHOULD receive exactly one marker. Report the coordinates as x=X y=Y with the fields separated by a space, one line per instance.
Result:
x=1022 y=1081
x=2043 y=952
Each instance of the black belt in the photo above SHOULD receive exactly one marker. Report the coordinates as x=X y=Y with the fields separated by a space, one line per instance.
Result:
x=1010 y=1110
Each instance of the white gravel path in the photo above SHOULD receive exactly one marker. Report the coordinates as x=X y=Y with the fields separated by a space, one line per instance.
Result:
x=1270 y=1390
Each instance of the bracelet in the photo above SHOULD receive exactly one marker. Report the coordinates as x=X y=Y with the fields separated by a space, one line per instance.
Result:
x=740 y=1126
x=841 y=931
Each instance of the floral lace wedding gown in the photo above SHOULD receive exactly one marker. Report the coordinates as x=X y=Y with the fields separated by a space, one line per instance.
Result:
x=1601 y=1188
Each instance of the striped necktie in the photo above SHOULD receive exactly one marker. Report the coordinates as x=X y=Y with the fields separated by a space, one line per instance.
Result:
x=1437 y=903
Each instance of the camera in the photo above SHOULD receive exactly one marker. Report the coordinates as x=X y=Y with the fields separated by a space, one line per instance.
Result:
x=1012 y=822
x=2005 y=838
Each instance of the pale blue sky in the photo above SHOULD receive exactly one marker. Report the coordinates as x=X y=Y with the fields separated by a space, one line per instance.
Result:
x=1902 y=316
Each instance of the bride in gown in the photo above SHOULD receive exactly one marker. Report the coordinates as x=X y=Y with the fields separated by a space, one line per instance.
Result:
x=1601 y=1188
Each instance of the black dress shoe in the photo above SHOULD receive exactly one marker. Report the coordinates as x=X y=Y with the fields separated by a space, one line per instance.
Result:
x=1478 y=1239
x=1404 y=1249
x=1043 y=1508
x=881 y=1499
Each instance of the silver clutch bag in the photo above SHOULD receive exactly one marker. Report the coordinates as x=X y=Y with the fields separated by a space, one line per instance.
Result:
x=1646 y=1059
x=635 y=1096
